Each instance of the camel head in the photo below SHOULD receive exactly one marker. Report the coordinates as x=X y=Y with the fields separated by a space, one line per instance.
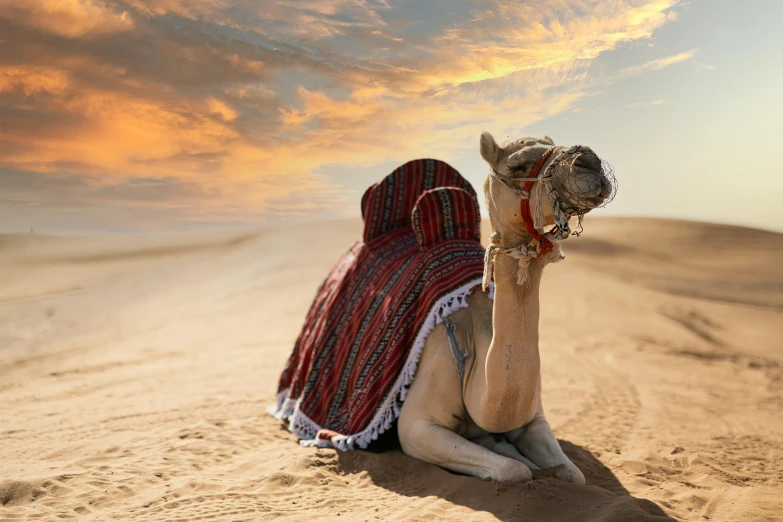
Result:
x=576 y=181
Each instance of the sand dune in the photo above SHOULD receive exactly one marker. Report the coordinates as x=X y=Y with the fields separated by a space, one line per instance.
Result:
x=134 y=374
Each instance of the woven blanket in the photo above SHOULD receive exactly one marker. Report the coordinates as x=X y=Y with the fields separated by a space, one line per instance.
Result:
x=356 y=356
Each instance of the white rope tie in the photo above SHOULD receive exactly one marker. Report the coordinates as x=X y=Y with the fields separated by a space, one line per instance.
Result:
x=519 y=253
x=522 y=253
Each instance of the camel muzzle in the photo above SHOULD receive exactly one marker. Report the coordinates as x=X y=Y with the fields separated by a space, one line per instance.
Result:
x=583 y=182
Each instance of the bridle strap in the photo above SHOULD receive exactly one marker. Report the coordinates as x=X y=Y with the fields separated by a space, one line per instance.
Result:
x=546 y=244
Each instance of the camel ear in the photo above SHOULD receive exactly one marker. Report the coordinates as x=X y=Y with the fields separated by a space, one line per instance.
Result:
x=549 y=140
x=489 y=148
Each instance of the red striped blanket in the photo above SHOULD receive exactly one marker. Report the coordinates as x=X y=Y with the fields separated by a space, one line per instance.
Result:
x=356 y=356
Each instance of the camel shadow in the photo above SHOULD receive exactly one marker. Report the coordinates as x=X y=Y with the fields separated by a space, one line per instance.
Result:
x=603 y=498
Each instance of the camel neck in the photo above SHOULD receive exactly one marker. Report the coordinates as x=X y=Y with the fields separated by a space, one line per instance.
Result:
x=511 y=363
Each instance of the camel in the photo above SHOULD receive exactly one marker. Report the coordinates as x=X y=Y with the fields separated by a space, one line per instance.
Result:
x=491 y=423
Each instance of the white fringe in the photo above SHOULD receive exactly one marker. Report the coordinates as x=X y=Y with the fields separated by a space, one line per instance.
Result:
x=302 y=426
x=287 y=409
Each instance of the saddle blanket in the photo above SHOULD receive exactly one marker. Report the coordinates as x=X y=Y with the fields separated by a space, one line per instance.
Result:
x=420 y=256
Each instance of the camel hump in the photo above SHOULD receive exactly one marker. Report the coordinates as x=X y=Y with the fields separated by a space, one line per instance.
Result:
x=446 y=213
x=387 y=205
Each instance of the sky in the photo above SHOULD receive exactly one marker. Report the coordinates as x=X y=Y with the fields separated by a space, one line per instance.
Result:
x=151 y=116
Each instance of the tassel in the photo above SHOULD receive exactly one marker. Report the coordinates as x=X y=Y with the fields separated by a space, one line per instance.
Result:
x=489 y=261
x=539 y=219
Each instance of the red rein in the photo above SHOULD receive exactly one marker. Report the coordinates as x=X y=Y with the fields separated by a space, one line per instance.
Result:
x=546 y=244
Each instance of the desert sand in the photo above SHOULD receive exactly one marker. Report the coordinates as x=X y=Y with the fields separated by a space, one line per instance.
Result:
x=135 y=373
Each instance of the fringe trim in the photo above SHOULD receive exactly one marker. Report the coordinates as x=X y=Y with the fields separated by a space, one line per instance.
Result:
x=287 y=409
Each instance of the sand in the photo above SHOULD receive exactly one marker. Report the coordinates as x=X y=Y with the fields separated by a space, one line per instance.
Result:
x=134 y=375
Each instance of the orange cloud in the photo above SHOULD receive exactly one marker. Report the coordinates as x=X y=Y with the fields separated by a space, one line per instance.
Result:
x=512 y=38
x=33 y=80
x=111 y=131
x=659 y=63
x=68 y=18
x=218 y=107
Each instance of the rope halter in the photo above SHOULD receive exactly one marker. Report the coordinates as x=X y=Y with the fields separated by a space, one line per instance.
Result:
x=540 y=244
x=581 y=199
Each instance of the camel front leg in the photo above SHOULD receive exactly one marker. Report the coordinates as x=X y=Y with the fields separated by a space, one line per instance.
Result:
x=536 y=441
x=430 y=442
x=498 y=444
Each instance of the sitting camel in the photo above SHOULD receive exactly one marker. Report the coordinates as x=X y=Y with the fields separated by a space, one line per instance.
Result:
x=491 y=423
x=399 y=313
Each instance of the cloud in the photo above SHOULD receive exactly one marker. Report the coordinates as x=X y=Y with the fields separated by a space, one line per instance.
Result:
x=218 y=107
x=658 y=63
x=644 y=104
x=246 y=102
x=67 y=18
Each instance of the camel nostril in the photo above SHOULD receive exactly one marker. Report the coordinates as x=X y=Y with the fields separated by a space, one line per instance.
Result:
x=589 y=162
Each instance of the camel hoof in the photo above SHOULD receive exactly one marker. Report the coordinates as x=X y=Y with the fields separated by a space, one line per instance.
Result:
x=562 y=472
x=513 y=471
x=569 y=474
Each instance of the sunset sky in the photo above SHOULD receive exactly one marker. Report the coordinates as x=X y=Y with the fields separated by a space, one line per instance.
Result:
x=141 y=116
